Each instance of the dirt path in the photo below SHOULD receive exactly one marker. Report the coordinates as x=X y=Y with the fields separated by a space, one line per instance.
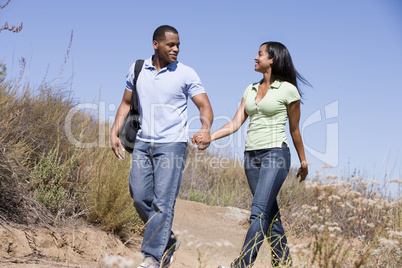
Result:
x=209 y=236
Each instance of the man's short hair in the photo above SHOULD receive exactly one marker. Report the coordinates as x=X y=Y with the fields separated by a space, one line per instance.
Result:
x=159 y=33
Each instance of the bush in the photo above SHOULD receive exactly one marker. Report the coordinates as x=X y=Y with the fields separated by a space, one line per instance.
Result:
x=53 y=177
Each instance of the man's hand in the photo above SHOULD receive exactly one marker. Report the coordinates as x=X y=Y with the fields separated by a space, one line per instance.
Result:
x=116 y=144
x=122 y=112
x=202 y=138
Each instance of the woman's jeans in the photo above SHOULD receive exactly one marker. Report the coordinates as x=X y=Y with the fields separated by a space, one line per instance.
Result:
x=266 y=170
x=155 y=179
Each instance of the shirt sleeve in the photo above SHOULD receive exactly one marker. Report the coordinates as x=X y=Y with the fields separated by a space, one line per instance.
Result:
x=194 y=85
x=130 y=78
x=247 y=91
x=292 y=94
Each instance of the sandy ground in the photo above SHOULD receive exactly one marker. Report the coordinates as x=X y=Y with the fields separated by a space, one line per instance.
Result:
x=209 y=236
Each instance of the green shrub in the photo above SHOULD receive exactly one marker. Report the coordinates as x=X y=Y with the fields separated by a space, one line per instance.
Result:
x=54 y=178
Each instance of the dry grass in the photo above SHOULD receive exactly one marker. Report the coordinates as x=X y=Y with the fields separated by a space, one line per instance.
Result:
x=344 y=222
x=336 y=222
x=22 y=142
x=45 y=178
x=214 y=180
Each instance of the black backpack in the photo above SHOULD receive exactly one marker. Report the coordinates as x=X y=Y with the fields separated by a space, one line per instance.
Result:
x=131 y=124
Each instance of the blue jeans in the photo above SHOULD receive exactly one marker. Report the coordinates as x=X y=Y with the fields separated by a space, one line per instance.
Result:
x=155 y=179
x=266 y=170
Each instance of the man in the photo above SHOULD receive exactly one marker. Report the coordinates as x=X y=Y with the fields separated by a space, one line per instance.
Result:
x=160 y=150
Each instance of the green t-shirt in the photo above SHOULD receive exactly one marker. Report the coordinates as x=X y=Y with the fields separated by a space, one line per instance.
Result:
x=268 y=117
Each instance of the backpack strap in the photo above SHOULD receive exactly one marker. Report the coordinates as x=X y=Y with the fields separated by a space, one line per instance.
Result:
x=134 y=97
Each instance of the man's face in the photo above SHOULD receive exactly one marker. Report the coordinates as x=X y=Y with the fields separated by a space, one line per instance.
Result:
x=168 y=49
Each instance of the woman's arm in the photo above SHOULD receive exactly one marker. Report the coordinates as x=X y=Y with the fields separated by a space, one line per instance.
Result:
x=234 y=125
x=294 y=118
x=228 y=128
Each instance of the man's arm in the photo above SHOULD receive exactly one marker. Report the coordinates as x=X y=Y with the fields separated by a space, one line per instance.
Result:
x=121 y=114
x=206 y=116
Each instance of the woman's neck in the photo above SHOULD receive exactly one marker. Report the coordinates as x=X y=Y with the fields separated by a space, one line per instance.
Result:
x=268 y=79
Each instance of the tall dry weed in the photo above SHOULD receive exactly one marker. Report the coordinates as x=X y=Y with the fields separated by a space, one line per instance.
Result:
x=214 y=180
x=345 y=223
x=108 y=194
x=41 y=138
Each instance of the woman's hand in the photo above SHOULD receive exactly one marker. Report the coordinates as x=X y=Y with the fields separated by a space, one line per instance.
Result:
x=303 y=171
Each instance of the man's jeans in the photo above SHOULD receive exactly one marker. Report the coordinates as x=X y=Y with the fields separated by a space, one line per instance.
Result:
x=155 y=179
x=266 y=170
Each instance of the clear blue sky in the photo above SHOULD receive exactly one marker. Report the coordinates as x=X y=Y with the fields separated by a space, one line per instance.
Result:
x=350 y=51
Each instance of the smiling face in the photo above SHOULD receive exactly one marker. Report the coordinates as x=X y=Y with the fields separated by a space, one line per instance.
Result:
x=167 y=49
x=263 y=61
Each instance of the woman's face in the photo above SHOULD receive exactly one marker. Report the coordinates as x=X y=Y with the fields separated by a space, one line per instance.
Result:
x=262 y=61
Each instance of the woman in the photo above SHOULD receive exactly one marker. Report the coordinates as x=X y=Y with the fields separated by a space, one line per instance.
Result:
x=269 y=103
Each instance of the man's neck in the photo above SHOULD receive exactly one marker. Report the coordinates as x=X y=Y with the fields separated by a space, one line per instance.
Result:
x=158 y=63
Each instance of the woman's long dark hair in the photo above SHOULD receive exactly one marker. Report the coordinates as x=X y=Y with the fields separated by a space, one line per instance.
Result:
x=282 y=66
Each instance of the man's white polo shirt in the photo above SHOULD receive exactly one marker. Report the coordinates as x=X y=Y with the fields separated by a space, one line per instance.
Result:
x=162 y=98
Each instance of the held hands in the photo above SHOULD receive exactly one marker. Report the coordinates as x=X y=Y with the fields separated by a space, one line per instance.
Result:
x=303 y=171
x=202 y=138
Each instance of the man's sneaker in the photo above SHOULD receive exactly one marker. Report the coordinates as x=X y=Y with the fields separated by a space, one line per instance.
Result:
x=221 y=266
x=148 y=263
x=167 y=258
